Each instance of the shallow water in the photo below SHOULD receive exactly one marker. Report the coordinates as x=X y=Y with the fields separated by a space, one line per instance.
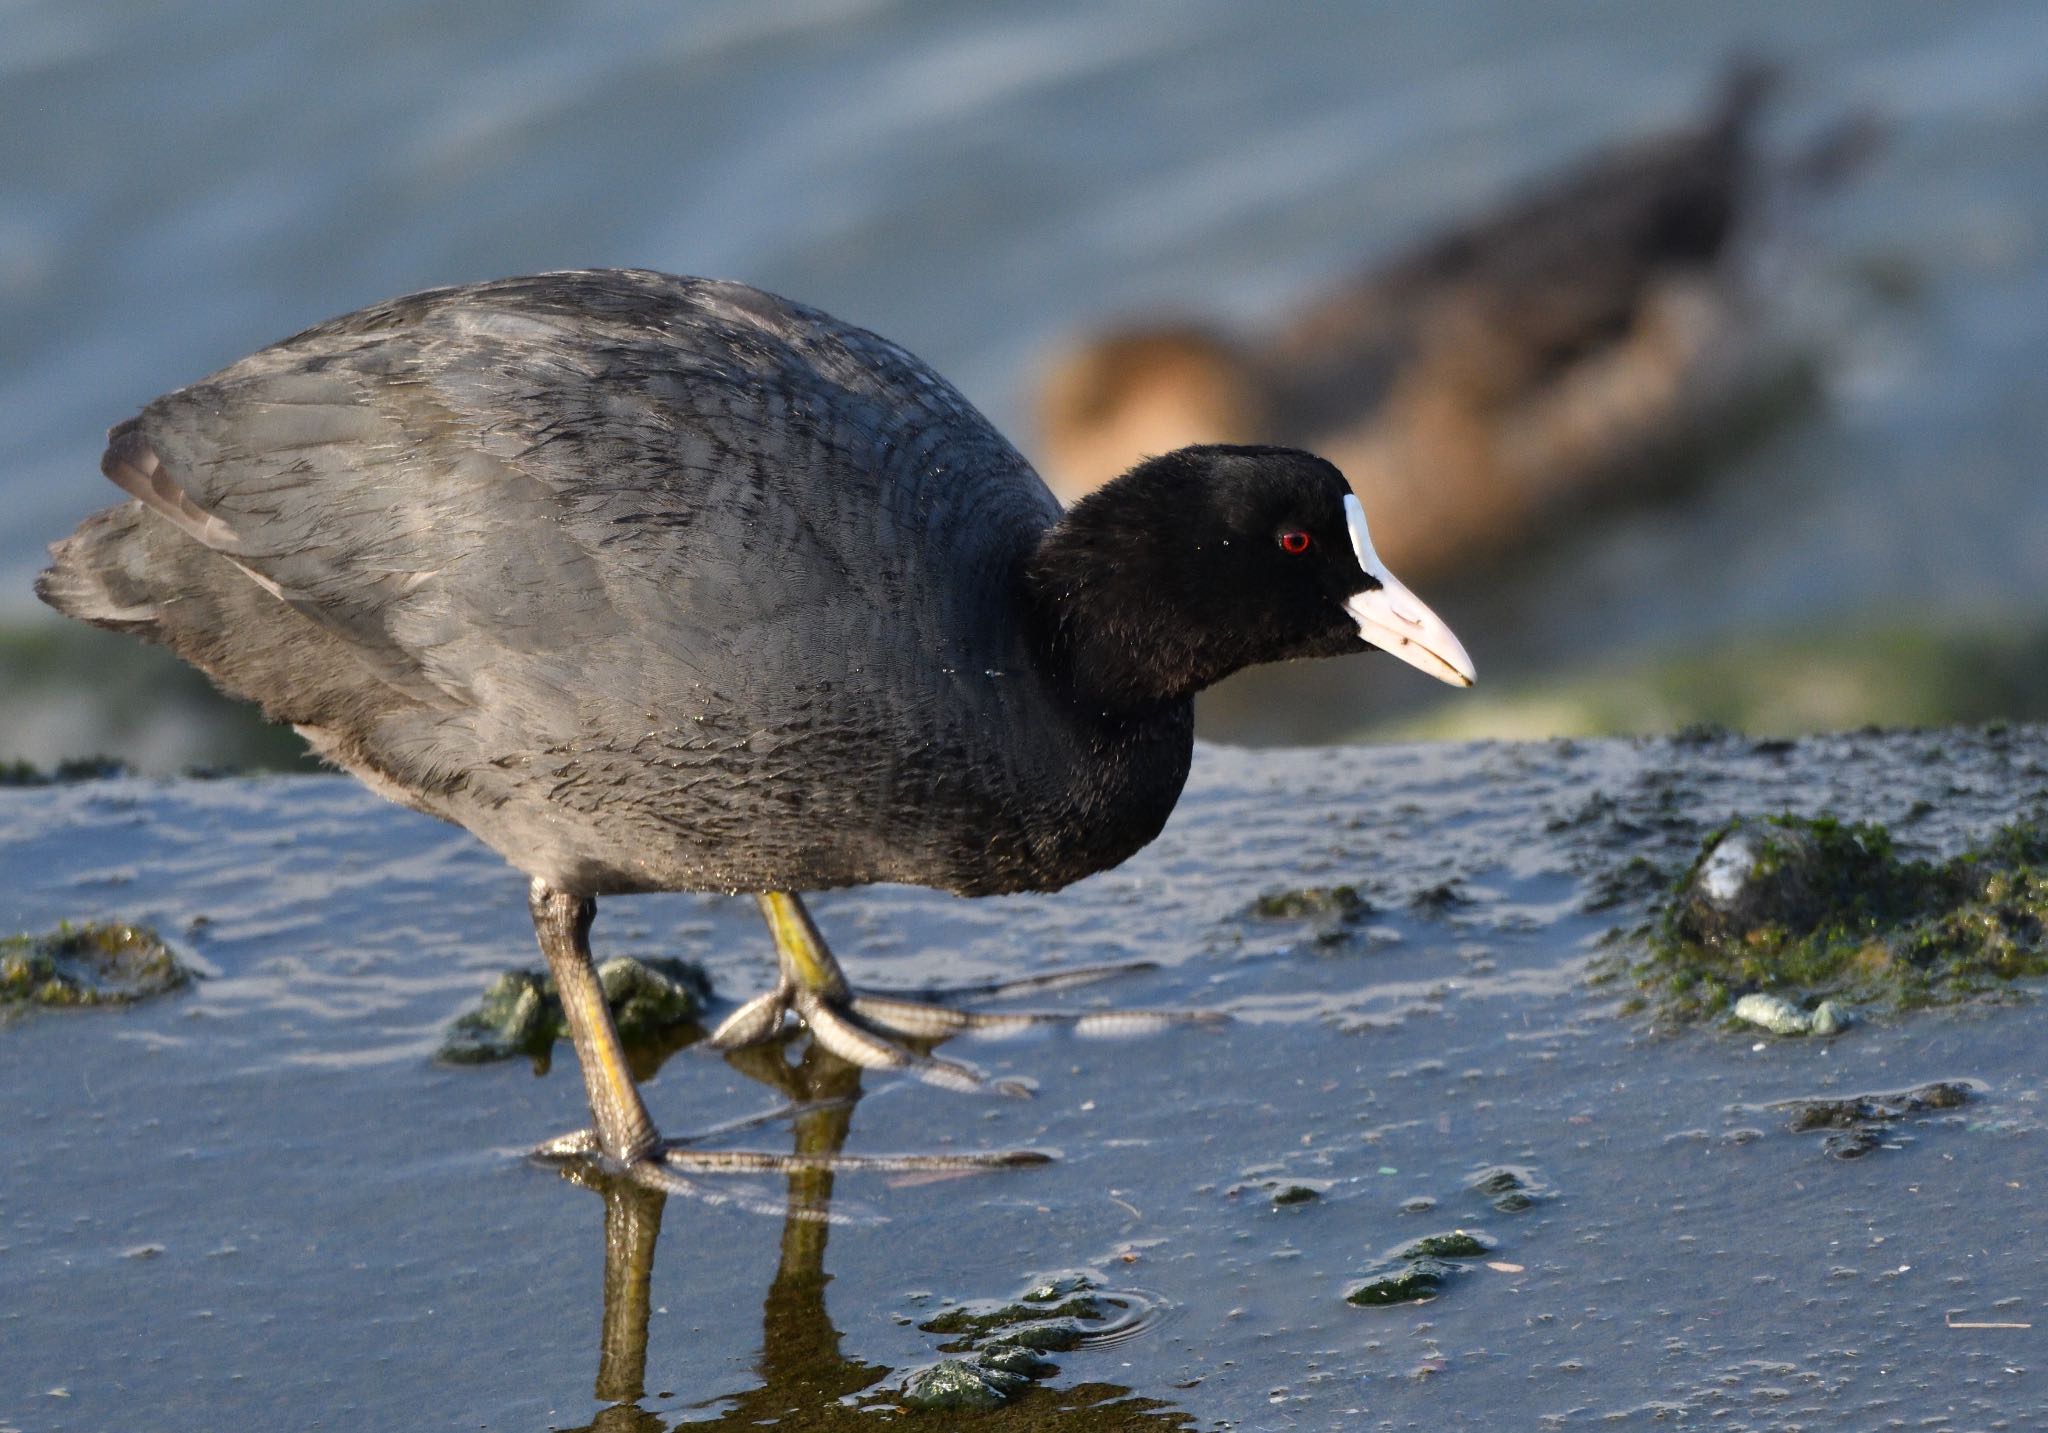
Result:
x=186 y=183
x=263 y=1203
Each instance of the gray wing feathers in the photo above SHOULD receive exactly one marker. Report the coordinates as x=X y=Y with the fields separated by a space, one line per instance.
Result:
x=501 y=494
x=134 y=467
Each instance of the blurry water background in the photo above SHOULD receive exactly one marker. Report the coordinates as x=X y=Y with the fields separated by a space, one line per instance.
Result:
x=181 y=184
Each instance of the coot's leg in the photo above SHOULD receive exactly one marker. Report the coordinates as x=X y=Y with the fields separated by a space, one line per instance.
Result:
x=625 y=1133
x=859 y=1028
x=813 y=985
x=624 y=1130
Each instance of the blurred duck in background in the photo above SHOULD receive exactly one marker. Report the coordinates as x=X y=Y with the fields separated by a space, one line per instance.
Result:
x=1565 y=348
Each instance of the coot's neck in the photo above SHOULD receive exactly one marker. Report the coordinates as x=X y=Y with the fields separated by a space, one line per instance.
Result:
x=1106 y=589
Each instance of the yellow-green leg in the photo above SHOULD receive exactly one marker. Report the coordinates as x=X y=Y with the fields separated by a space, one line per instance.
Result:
x=864 y=1029
x=811 y=986
x=625 y=1132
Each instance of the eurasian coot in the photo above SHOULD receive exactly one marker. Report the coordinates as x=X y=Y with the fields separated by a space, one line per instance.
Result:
x=659 y=583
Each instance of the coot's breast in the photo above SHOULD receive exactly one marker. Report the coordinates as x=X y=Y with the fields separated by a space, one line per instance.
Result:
x=665 y=583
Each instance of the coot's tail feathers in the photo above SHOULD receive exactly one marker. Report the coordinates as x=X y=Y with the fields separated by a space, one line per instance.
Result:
x=92 y=575
x=166 y=570
x=102 y=573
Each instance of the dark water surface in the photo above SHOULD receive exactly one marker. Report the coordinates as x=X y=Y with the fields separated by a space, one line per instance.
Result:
x=261 y=1204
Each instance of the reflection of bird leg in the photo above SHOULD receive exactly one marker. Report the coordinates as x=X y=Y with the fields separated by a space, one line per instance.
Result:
x=800 y=1357
x=795 y=1329
x=801 y=1366
x=805 y=1379
x=632 y=1225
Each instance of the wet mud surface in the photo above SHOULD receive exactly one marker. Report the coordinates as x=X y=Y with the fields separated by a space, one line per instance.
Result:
x=263 y=1202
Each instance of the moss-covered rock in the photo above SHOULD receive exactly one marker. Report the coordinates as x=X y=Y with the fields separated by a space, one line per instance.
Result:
x=80 y=768
x=1057 y=1288
x=954 y=1384
x=1055 y=1314
x=1856 y=1125
x=999 y=1344
x=1310 y=902
x=1280 y=1191
x=1330 y=911
x=92 y=964
x=521 y=1014
x=1421 y=1269
x=1457 y=1244
x=974 y=1322
x=1016 y=1359
x=1848 y=1111
x=1406 y=1283
x=1812 y=909
x=1511 y=1189
x=1050 y=1335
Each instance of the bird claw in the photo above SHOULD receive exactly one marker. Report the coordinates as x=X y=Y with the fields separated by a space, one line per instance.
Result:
x=668 y=1168
x=846 y=1034
x=848 y=1031
x=869 y=1030
x=759 y=1020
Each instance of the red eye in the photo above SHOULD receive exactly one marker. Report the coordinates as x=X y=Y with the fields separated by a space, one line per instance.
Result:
x=1295 y=541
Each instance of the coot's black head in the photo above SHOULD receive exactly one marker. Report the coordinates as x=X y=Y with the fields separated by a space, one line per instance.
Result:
x=1209 y=559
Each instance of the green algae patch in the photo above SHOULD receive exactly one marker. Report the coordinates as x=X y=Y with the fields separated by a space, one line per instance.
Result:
x=1414 y=1281
x=1510 y=1188
x=1329 y=911
x=520 y=1013
x=1420 y=1270
x=1312 y=902
x=92 y=964
x=1812 y=910
x=1457 y=1244
x=998 y=1345
x=1856 y=1125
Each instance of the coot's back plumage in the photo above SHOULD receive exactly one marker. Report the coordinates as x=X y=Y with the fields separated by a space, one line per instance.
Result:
x=651 y=582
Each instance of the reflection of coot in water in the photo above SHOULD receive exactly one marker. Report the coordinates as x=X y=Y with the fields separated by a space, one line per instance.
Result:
x=665 y=584
x=805 y=1377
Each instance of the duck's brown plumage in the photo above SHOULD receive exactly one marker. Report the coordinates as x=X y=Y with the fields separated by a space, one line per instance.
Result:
x=1485 y=378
